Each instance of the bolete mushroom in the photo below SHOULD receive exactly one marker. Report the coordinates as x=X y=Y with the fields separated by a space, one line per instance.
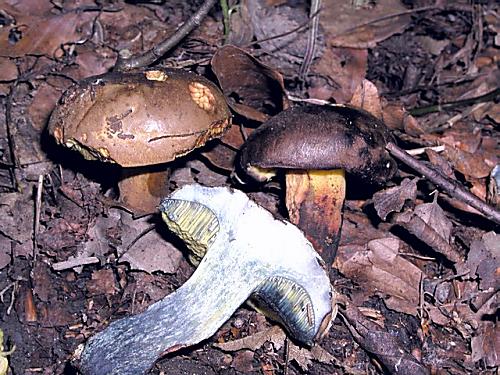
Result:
x=316 y=145
x=139 y=120
x=247 y=251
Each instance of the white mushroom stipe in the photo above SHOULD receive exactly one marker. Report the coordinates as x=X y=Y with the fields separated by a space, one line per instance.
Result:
x=248 y=252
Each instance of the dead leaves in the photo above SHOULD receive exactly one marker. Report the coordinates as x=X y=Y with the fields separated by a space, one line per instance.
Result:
x=24 y=37
x=393 y=199
x=275 y=336
x=379 y=269
x=362 y=26
x=251 y=88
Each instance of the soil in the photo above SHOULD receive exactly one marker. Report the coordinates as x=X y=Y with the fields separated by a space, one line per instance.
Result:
x=429 y=71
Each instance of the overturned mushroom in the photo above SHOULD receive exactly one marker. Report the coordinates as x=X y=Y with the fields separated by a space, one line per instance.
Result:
x=139 y=120
x=316 y=145
x=248 y=252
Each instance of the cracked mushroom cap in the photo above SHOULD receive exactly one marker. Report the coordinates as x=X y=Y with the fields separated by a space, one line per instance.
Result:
x=320 y=138
x=137 y=119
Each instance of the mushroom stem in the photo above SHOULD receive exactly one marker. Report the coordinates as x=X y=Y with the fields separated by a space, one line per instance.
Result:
x=314 y=200
x=141 y=191
x=247 y=252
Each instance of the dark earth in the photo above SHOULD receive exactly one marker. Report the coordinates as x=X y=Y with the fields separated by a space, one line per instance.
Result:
x=414 y=299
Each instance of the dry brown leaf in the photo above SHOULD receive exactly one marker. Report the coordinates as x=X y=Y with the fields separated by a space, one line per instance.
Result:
x=337 y=73
x=433 y=215
x=348 y=25
x=8 y=69
x=440 y=163
x=366 y=96
x=469 y=164
x=269 y=20
x=484 y=260
x=393 y=199
x=5 y=251
x=222 y=154
x=380 y=270
x=301 y=356
x=273 y=334
x=252 y=89
x=58 y=29
x=102 y=282
x=485 y=345
x=42 y=105
x=243 y=361
x=150 y=252
x=134 y=28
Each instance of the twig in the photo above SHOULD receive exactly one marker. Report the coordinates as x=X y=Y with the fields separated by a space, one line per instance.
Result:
x=162 y=48
x=491 y=96
x=286 y=33
x=75 y=262
x=12 y=154
x=384 y=18
x=311 y=40
x=421 y=150
x=14 y=286
x=451 y=187
x=38 y=209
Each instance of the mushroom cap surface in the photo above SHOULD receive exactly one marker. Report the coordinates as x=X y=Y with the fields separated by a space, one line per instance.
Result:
x=140 y=118
x=316 y=137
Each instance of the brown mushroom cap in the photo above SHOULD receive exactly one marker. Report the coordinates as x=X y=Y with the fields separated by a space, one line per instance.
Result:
x=137 y=119
x=321 y=137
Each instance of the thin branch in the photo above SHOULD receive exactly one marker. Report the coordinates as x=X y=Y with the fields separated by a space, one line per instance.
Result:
x=166 y=45
x=311 y=40
x=491 y=96
x=451 y=187
x=286 y=33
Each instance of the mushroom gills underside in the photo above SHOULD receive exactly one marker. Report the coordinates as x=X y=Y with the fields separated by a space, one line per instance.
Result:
x=194 y=223
x=280 y=299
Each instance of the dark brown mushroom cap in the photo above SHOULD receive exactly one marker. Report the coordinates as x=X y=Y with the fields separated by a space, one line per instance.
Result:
x=140 y=118
x=321 y=137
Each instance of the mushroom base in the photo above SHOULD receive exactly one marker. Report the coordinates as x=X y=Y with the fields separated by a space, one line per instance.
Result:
x=141 y=189
x=314 y=200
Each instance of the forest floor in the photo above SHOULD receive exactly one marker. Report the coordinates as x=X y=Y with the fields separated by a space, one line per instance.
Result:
x=413 y=299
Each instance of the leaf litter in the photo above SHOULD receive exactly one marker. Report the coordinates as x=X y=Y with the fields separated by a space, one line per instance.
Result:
x=408 y=259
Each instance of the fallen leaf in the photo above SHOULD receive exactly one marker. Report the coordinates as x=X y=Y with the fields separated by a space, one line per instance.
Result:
x=366 y=96
x=380 y=270
x=5 y=251
x=149 y=251
x=102 y=281
x=243 y=361
x=270 y=20
x=274 y=334
x=42 y=105
x=222 y=154
x=58 y=29
x=469 y=164
x=252 y=89
x=347 y=24
x=440 y=163
x=485 y=345
x=8 y=69
x=433 y=215
x=484 y=260
x=393 y=199
x=337 y=73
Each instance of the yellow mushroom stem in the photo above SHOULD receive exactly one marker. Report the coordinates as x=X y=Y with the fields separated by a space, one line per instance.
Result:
x=314 y=200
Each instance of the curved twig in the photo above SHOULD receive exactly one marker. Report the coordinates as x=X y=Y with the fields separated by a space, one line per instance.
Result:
x=158 y=51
